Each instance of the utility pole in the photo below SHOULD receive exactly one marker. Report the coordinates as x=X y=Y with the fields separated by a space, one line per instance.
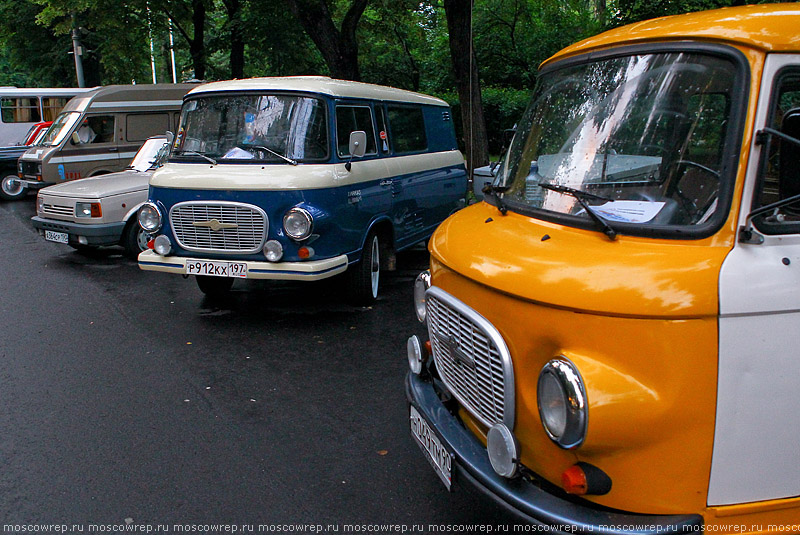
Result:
x=77 y=51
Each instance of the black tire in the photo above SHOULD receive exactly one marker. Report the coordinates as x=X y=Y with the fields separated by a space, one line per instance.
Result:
x=134 y=239
x=214 y=286
x=84 y=249
x=365 y=274
x=11 y=189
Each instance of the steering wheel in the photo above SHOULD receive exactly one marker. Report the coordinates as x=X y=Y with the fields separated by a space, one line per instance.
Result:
x=688 y=203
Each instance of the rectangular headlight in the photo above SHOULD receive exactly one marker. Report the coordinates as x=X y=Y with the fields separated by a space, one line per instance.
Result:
x=88 y=209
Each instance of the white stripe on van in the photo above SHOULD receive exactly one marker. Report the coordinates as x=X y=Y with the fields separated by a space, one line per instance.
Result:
x=136 y=104
x=93 y=157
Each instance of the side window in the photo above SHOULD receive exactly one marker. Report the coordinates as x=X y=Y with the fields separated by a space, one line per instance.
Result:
x=383 y=130
x=51 y=106
x=141 y=126
x=408 y=129
x=20 y=110
x=351 y=119
x=96 y=129
x=780 y=172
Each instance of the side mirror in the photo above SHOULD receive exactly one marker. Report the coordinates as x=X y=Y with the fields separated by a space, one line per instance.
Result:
x=357 y=147
x=76 y=139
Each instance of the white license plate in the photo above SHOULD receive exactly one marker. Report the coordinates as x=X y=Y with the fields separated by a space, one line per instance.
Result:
x=217 y=269
x=435 y=452
x=59 y=237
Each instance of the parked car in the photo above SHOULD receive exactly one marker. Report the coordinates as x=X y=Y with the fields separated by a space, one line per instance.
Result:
x=101 y=210
x=9 y=156
x=301 y=178
x=610 y=337
x=98 y=133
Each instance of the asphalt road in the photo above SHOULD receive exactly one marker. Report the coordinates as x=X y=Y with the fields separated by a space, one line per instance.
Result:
x=127 y=398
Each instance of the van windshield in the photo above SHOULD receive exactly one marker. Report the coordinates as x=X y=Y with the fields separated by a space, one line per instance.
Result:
x=60 y=128
x=252 y=128
x=638 y=140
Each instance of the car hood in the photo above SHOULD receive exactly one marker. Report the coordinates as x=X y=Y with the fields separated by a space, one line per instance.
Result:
x=102 y=186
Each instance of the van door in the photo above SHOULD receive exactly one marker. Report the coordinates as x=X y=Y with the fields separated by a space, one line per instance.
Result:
x=759 y=358
x=369 y=193
x=90 y=149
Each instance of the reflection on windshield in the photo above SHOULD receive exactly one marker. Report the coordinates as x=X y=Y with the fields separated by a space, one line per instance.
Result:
x=263 y=128
x=645 y=133
x=60 y=128
x=149 y=155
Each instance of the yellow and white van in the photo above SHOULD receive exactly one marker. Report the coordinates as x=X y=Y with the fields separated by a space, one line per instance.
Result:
x=611 y=340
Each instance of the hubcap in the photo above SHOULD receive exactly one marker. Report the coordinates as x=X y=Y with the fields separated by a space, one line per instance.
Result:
x=11 y=186
x=375 y=268
x=141 y=239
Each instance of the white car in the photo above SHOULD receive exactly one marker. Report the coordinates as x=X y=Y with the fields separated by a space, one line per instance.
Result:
x=101 y=210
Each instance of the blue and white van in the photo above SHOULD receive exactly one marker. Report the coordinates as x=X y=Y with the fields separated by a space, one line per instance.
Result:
x=301 y=178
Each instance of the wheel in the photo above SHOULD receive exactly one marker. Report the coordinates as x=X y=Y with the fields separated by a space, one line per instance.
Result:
x=214 y=286
x=365 y=275
x=11 y=188
x=134 y=239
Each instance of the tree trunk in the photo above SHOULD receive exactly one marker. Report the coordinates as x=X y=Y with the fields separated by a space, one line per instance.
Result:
x=197 y=48
x=233 y=8
x=465 y=68
x=339 y=49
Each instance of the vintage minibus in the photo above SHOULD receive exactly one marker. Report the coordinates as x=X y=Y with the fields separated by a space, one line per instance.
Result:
x=23 y=107
x=97 y=133
x=301 y=178
x=608 y=341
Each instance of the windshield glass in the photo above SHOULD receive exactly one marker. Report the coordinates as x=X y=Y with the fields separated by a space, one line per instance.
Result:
x=149 y=155
x=642 y=135
x=60 y=128
x=250 y=128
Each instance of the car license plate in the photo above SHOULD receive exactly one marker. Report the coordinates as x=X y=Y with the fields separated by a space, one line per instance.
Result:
x=435 y=452
x=59 y=237
x=217 y=269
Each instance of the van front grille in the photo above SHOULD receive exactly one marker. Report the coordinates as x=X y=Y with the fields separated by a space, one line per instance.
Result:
x=222 y=227
x=58 y=209
x=472 y=358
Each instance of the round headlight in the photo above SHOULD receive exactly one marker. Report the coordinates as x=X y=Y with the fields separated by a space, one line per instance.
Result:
x=273 y=250
x=162 y=245
x=150 y=217
x=561 y=397
x=503 y=450
x=298 y=223
x=421 y=286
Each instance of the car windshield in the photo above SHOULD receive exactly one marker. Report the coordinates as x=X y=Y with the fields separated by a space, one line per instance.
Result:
x=150 y=155
x=637 y=139
x=60 y=128
x=253 y=128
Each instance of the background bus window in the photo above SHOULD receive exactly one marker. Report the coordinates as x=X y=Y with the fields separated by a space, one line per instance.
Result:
x=51 y=107
x=20 y=110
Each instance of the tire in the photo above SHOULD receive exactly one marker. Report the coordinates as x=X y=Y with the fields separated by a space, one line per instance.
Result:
x=84 y=249
x=11 y=189
x=365 y=275
x=134 y=239
x=214 y=286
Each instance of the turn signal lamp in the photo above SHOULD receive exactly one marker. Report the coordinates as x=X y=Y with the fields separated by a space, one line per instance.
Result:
x=305 y=253
x=584 y=478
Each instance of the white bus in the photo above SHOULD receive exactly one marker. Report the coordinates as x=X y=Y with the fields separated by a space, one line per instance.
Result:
x=22 y=107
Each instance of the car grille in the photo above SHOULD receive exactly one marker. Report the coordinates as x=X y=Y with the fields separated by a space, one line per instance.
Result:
x=219 y=227
x=30 y=169
x=472 y=358
x=58 y=209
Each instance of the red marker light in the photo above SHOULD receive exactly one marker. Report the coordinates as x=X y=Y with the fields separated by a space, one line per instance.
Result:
x=574 y=480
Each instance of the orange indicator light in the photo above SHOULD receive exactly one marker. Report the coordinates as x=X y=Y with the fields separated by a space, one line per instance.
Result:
x=574 y=480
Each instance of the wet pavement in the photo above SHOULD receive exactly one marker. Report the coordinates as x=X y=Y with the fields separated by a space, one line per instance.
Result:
x=127 y=398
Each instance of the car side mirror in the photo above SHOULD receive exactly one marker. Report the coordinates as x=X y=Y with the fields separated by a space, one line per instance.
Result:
x=357 y=147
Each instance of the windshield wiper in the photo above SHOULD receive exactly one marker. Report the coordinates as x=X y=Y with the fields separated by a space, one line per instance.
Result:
x=279 y=155
x=492 y=191
x=195 y=153
x=581 y=196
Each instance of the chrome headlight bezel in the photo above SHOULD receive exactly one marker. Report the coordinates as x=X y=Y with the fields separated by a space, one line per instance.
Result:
x=150 y=218
x=421 y=285
x=560 y=388
x=298 y=223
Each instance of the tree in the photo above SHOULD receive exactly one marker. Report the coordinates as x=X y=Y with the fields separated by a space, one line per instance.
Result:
x=338 y=47
x=465 y=68
x=195 y=13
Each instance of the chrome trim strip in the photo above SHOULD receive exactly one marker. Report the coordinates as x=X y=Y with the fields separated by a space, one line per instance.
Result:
x=509 y=409
x=221 y=204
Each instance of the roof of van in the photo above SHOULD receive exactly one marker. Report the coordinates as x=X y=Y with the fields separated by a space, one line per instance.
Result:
x=768 y=27
x=12 y=91
x=322 y=85
x=131 y=96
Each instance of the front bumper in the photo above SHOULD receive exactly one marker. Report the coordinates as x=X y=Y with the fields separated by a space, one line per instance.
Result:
x=309 y=271
x=103 y=234
x=521 y=497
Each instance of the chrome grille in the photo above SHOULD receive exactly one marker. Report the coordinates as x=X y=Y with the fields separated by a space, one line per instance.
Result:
x=472 y=359
x=194 y=226
x=58 y=209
